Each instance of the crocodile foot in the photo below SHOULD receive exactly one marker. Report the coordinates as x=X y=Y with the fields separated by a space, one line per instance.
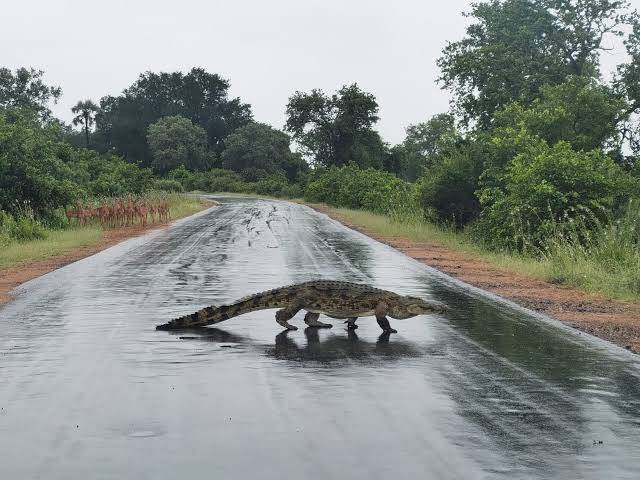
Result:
x=287 y=325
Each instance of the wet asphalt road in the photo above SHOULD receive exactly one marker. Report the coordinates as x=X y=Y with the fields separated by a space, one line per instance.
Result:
x=88 y=388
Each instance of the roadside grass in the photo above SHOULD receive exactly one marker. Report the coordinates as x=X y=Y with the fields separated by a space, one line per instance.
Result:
x=610 y=267
x=182 y=205
x=59 y=242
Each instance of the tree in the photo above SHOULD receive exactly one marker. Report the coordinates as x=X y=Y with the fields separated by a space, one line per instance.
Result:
x=85 y=111
x=25 y=89
x=257 y=150
x=517 y=46
x=337 y=129
x=176 y=141
x=199 y=96
x=627 y=83
x=579 y=111
x=424 y=145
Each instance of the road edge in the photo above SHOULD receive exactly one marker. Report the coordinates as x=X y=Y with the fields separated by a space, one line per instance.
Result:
x=615 y=321
x=15 y=275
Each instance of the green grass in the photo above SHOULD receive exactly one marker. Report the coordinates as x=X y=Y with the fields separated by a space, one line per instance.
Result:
x=182 y=205
x=611 y=267
x=59 y=242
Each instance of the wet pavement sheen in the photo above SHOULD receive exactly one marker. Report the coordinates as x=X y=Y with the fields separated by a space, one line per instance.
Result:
x=89 y=389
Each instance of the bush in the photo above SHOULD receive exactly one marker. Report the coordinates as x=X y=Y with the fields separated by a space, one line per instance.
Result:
x=352 y=187
x=20 y=228
x=448 y=190
x=557 y=192
x=168 y=185
x=272 y=185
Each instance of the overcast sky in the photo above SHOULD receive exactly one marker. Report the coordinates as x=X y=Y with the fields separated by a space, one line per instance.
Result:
x=266 y=48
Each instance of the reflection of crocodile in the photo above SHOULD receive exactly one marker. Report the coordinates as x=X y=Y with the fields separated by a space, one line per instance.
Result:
x=342 y=300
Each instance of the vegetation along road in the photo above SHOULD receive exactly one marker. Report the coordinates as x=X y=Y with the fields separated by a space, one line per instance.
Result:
x=487 y=389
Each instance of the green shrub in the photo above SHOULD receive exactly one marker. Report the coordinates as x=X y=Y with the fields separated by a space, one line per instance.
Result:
x=448 y=190
x=20 y=228
x=293 y=190
x=168 y=185
x=55 y=219
x=272 y=185
x=212 y=181
x=369 y=189
x=556 y=193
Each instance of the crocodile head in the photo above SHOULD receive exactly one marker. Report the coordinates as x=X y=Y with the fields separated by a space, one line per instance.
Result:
x=409 y=307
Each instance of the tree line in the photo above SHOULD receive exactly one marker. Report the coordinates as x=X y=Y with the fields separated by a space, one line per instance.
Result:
x=535 y=141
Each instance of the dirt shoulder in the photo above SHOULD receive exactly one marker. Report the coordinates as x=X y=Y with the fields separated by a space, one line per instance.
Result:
x=11 y=277
x=612 y=320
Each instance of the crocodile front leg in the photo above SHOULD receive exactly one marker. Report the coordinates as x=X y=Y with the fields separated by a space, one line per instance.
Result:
x=311 y=319
x=381 y=317
x=351 y=323
x=283 y=316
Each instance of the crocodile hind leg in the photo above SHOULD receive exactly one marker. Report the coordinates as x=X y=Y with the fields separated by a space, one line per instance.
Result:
x=351 y=323
x=385 y=325
x=283 y=316
x=311 y=319
x=381 y=317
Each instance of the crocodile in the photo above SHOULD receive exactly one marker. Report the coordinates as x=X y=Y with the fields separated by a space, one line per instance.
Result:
x=336 y=299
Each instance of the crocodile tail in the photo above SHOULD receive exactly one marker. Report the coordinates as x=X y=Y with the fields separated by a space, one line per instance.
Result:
x=206 y=316
x=213 y=314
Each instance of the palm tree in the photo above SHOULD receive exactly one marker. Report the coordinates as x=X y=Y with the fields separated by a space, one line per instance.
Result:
x=85 y=115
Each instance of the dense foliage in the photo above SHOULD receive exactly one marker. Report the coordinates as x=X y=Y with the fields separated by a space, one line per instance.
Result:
x=369 y=189
x=513 y=48
x=25 y=89
x=258 y=150
x=39 y=173
x=176 y=141
x=122 y=121
x=551 y=193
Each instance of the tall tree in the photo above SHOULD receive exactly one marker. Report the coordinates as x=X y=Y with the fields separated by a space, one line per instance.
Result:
x=85 y=112
x=200 y=96
x=25 y=89
x=176 y=141
x=257 y=150
x=514 y=47
x=336 y=129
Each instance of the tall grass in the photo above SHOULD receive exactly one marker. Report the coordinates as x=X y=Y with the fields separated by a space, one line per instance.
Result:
x=604 y=259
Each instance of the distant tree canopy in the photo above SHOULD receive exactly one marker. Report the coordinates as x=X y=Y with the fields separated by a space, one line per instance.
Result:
x=25 y=89
x=514 y=47
x=338 y=129
x=257 y=150
x=199 y=96
x=85 y=113
x=423 y=146
x=175 y=141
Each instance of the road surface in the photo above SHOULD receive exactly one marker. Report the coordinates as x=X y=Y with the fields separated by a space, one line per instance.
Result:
x=89 y=389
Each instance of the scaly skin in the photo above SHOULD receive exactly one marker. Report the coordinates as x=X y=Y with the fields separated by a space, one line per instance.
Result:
x=341 y=300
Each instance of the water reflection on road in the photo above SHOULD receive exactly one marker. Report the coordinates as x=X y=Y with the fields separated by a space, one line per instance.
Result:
x=89 y=389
